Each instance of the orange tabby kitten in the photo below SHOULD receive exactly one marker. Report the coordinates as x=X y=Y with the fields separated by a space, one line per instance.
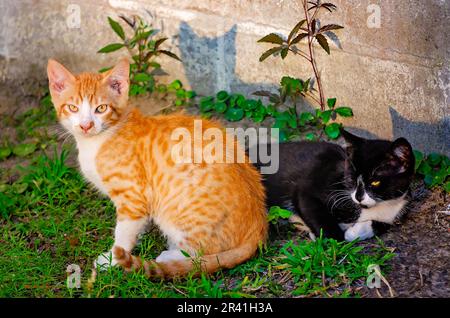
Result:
x=215 y=210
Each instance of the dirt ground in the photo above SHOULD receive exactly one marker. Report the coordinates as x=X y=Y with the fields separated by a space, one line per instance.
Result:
x=421 y=241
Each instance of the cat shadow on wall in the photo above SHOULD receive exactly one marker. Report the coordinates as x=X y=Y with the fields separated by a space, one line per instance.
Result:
x=210 y=63
x=427 y=137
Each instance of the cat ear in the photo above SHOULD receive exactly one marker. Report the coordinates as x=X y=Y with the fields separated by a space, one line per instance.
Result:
x=352 y=143
x=401 y=155
x=59 y=78
x=118 y=78
x=351 y=139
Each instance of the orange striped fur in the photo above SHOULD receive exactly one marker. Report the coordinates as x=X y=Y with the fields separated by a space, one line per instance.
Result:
x=214 y=211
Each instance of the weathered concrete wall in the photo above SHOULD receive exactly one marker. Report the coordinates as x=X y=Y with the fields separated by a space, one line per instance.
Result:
x=396 y=77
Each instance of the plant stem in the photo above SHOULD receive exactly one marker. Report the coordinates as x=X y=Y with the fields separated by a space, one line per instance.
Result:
x=301 y=54
x=311 y=53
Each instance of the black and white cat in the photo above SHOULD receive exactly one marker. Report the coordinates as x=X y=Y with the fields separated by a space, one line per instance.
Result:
x=351 y=193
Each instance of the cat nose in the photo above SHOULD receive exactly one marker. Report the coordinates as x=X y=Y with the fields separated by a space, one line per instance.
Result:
x=85 y=127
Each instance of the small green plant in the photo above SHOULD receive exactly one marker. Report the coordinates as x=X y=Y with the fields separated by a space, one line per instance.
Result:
x=434 y=169
x=324 y=264
x=31 y=128
x=308 y=29
x=144 y=48
x=306 y=124
x=309 y=125
x=276 y=213
x=234 y=107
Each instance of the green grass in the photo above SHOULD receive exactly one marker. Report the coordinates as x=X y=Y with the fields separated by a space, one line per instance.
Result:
x=50 y=218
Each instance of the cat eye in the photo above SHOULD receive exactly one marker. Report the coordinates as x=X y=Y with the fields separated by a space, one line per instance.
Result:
x=375 y=183
x=72 y=108
x=101 y=109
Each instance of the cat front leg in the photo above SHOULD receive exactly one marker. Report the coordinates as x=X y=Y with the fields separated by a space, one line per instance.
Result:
x=317 y=217
x=132 y=218
x=125 y=235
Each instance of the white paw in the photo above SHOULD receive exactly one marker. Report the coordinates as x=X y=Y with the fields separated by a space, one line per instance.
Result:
x=105 y=261
x=361 y=230
x=172 y=255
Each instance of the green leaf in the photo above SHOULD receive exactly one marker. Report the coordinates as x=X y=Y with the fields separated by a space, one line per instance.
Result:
x=306 y=117
x=258 y=117
x=103 y=70
x=331 y=102
x=330 y=27
x=298 y=38
x=23 y=150
x=206 y=104
x=19 y=188
x=344 y=111
x=220 y=107
x=290 y=85
x=191 y=94
x=117 y=28
x=185 y=254
x=154 y=65
x=418 y=157
x=111 y=48
x=424 y=168
x=447 y=186
x=326 y=116
x=141 y=77
x=250 y=104
x=3 y=187
x=272 y=38
x=310 y=137
x=270 y=52
x=159 y=42
x=234 y=114
x=428 y=180
x=170 y=54
x=181 y=93
x=295 y=30
x=323 y=42
x=283 y=136
x=284 y=53
x=333 y=130
x=276 y=213
x=434 y=158
x=222 y=96
x=176 y=84
x=5 y=152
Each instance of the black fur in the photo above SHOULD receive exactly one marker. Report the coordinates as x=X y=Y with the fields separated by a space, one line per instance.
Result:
x=315 y=179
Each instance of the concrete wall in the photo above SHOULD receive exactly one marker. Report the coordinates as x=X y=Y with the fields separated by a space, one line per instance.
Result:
x=396 y=77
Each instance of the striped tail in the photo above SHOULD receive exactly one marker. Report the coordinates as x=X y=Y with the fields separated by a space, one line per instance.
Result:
x=179 y=268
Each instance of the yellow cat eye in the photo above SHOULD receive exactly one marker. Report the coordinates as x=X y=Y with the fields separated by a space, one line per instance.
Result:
x=375 y=183
x=72 y=108
x=101 y=109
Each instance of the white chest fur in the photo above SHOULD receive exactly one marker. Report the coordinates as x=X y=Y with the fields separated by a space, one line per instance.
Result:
x=87 y=152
